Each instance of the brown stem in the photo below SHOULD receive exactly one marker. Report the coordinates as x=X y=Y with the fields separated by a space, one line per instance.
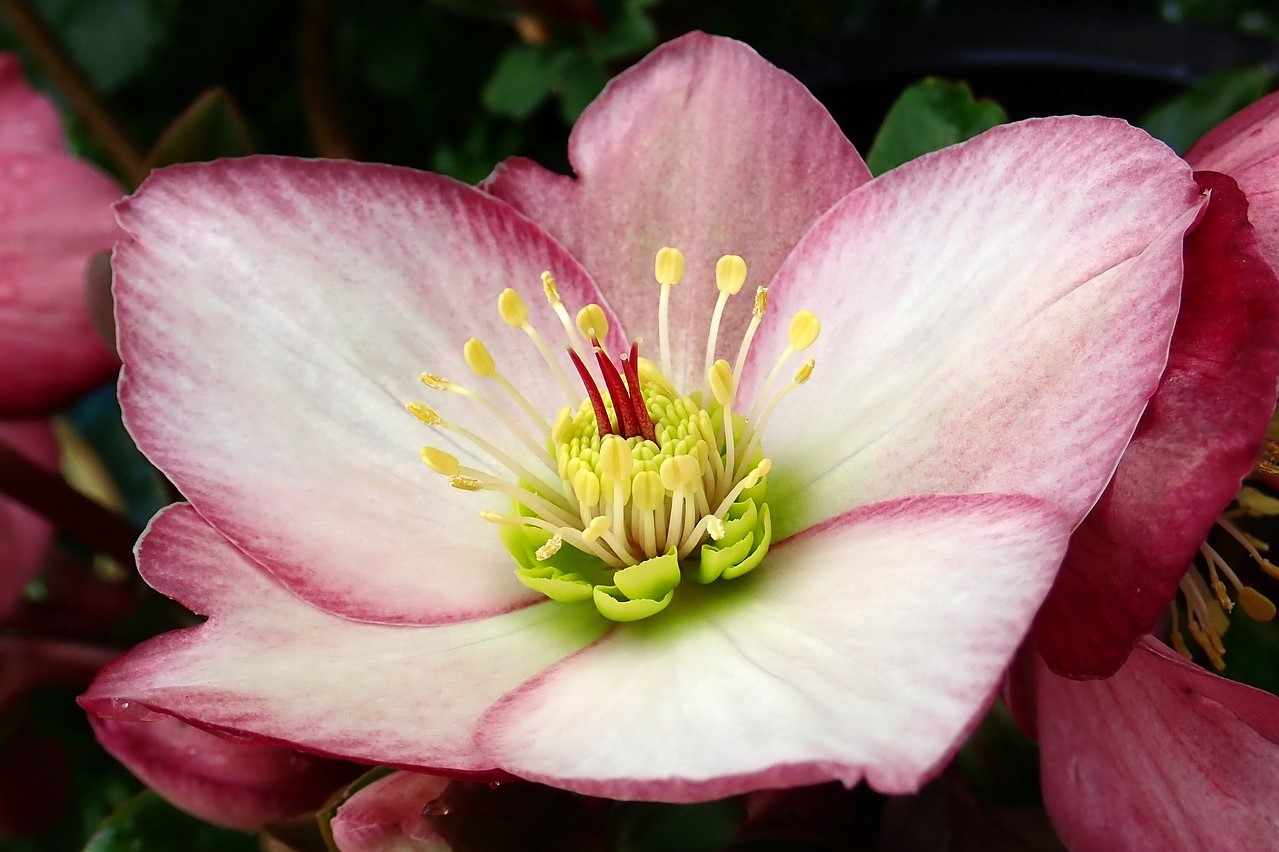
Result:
x=49 y=495
x=324 y=116
x=48 y=51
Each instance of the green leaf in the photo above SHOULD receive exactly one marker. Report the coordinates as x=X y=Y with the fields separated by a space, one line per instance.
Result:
x=112 y=40
x=148 y=822
x=929 y=116
x=634 y=32
x=210 y=127
x=1206 y=104
x=582 y=79
x=522 y=80
x=1252 y=652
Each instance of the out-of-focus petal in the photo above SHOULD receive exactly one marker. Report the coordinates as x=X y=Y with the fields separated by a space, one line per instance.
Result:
x=1246 y=147
x=237 y=784
x=269 y=384
x=386 y=816
x=55 y=212
x=864 y=649
x=1196 y=441
x=1163 y=755
x=24 y=535
x=995 y=316
x=28 y=121
x=270 y=666
x=703 y=146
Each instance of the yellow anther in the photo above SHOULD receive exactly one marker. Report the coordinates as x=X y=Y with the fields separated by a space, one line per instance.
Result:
x=596 y=528
x=761 y=301
x=465 y=483
x=804 y=329
x=492 y=517
x=549 y=549
x=678 y=472
x=563 y=426
x=511 y=308
x=615 y=460
x=435 y=382
x=586 y=485
x=715 y=526
x=720 y=376
x=761 y=470
x=550 y=289
x=647 y=493
x=478 y=358
x=804 y=372
x=668 y=268
x=651 y=374
x=1179 y=645
x=1256 y=605
x=730 y=274
x=592 y=322
x=440 y=461
x=425 y=413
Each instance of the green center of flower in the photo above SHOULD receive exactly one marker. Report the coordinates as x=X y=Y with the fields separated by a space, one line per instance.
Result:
x=638 y=486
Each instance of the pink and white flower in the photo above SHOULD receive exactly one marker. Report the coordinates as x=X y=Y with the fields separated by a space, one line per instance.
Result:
x=55 y=214
x=994 y=318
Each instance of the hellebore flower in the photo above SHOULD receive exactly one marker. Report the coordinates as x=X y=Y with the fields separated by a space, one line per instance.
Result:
x=1161 y=754
x=54 y=215
x=834 y=599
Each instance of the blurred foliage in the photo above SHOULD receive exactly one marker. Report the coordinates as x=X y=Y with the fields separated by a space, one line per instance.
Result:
x=1181 y=121
x=455 y=86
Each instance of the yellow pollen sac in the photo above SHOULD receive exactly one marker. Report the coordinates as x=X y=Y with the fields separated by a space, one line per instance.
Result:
x=730 y=274
x=668 y=268
x=1256 y=605
x=615 y=461
x=440 y=461
x=434 y=382
x=592 y=322
x=678 y=472
x=511 y=308
x=586 y=485
x=478 y=358
x=761 y=301
x=804 y=329
x=465 y=483
x=425 y=413
x=805 y=372
x=550 y=288
x=549 y=549
x=647 y=492
x=720 y=377
x=596 y=528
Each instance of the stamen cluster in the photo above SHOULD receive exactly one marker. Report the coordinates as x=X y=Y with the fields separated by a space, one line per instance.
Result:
x=633 y=473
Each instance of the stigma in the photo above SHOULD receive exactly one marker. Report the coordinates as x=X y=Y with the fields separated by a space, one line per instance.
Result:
x=635 y=484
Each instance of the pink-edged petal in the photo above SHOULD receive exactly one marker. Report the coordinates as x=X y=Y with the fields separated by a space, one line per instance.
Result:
x=274 y=316
x=864 y=648
x=24 y=535
x=55 y=212
x=1196 y=441
x=28 y=121
x=703 y=146
x=386 y=816
x=995 y=316
x=1246 y=147
x=269 y=666
x=237 y=784
x=1161 y=756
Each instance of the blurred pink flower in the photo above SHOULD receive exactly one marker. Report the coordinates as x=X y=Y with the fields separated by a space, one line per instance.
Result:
x=55 y=213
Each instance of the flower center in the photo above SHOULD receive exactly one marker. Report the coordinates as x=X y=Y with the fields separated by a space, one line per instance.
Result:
x=634 y=485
